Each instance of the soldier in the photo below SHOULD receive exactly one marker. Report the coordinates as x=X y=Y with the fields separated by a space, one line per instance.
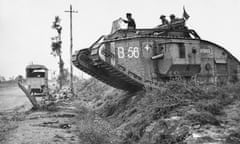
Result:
x=130 y=21
x=172 y=18
x=177 y=23
x=164 y=20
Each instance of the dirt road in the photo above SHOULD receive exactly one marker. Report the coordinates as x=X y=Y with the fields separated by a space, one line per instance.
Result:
x=12 y=97
x=20 y=125
x=43 y=127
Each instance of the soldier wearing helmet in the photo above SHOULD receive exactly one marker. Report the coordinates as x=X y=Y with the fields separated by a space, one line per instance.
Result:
x=177 y=23
x=164 y=20
x=173 y=18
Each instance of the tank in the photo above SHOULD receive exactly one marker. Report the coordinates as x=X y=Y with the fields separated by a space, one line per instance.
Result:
x=132 y=60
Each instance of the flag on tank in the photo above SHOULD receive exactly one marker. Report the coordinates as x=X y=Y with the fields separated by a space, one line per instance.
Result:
x=185 y=14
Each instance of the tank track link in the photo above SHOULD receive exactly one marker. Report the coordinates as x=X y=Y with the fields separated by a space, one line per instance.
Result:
x=104 y=72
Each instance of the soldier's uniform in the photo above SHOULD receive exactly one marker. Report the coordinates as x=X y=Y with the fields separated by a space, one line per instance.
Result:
x=130 y=21
x=164 y=20
x=176 y=23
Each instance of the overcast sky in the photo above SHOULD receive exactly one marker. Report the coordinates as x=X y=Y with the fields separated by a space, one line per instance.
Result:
x=25 y=25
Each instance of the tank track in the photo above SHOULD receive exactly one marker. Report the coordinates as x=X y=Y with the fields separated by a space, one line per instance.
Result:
x=104 y=72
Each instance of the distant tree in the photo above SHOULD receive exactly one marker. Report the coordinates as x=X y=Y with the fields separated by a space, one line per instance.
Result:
x=56 y=48
x=12 y=78
x=2 y=79
x=19 y=78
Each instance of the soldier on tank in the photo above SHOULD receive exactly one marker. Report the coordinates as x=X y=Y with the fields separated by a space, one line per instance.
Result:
x=130 y=21
x=164 y=20
x=173 y=18
x=177 y=23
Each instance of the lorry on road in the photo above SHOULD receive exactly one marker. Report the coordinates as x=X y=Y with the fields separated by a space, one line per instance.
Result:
x=37 y=79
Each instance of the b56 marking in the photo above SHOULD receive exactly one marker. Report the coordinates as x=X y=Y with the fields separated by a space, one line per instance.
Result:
x=132 y=52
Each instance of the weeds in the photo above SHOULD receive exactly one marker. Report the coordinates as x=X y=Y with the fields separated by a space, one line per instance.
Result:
x=165 y=139
x=90 y=136
x=90 y=131
x=233 y=138
x=209 y=101
x=212 y=107
x=203 y=118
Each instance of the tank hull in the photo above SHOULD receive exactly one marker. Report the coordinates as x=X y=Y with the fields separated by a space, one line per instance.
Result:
x=132 y=61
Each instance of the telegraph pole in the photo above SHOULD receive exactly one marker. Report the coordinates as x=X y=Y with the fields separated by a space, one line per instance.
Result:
x=71 y=46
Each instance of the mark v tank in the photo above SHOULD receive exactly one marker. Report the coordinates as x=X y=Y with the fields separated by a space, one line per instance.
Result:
x=135 y=59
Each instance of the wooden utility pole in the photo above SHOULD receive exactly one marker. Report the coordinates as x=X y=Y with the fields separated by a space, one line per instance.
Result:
x=71 y=46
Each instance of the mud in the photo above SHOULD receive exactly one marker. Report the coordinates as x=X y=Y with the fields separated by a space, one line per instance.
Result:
x=45 y=127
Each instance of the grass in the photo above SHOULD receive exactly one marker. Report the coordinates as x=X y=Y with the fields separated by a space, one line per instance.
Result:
x=202 y=118
x=177 y=98
x=213 y=107
x=89 y=130
x=233 y=138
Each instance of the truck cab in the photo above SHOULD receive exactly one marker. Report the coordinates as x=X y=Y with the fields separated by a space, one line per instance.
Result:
x=37 y=79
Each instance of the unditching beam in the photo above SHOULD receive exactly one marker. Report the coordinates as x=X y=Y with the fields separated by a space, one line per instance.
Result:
x=31 y=98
